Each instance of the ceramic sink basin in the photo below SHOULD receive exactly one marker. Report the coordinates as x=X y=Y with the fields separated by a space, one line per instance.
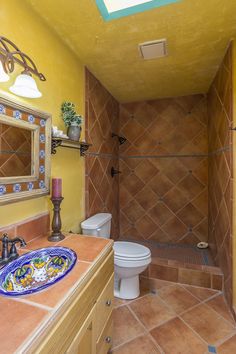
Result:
x=36 y=270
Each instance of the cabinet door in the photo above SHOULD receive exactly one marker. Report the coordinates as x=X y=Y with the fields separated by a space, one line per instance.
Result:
x=84 y=341
x=104 y=343
x=104 y=306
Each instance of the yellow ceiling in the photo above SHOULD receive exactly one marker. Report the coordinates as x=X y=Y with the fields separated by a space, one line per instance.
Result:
x=197 y=32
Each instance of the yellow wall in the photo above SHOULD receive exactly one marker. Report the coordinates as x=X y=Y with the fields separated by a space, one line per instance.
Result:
x=65 y=81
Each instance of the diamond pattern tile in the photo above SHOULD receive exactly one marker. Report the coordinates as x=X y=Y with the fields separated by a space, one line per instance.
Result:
x=162 y=192
x=220 y=170
x=164 y=187
x=102 y=191
x=15 y=146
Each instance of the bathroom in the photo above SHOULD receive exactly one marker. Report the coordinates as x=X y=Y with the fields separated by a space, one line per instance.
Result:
x=165 y=127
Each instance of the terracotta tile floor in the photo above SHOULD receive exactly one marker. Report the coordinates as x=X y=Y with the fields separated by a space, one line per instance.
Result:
x=174 y=319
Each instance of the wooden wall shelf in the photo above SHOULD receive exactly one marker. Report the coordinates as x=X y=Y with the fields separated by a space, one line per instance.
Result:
x=71 y=144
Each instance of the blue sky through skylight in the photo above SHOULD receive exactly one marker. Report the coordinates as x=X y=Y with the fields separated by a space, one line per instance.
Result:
x=112 y=9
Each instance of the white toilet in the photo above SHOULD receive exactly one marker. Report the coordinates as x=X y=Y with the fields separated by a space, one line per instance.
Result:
x=131 y=258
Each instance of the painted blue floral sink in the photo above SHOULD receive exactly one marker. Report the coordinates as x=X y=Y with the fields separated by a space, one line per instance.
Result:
x=36 y=270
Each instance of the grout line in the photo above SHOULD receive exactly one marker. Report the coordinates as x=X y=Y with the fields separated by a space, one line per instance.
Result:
x=218 y=292
x=127 y=341
x=160 y=156
x=198 y=335
x=137 y=319
x=140 y=334
x=164 y=321
x=31 y=303
x=222 y=341
x=216 y=343
x=131 y=301
x=189 y=309
x=221 y=316
x=157 y=345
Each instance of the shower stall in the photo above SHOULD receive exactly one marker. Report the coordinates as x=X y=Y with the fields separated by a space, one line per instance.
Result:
x=174 y=189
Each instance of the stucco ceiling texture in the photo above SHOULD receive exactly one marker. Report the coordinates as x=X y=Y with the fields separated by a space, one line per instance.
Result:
x=197 y=31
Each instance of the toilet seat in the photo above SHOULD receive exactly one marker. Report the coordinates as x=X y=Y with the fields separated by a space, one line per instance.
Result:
x=130 y=251
x=130 y=254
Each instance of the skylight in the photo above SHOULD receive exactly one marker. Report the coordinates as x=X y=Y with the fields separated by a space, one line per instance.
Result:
x=113 y=5
x=112 y=9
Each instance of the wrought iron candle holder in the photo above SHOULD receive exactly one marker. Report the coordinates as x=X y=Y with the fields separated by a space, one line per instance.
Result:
x=56 y=234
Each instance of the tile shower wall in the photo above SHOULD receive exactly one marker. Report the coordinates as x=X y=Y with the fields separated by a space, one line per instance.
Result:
x=102 y=114
x=164 y=165
x=220 y=170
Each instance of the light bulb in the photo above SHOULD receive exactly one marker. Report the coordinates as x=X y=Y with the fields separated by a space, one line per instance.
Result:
x=3 y=75
x=25 y=86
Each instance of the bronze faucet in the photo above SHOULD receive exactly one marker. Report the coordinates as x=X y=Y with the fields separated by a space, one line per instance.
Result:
x=10 y=255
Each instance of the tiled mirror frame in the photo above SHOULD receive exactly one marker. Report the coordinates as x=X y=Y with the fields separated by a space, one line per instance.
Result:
x=36 y=185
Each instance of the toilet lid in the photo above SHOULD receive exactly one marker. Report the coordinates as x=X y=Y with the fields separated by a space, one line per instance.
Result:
x=124 y=249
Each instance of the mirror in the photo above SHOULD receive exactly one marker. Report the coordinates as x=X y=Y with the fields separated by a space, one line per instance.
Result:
x=25 y=140
x=15 y=151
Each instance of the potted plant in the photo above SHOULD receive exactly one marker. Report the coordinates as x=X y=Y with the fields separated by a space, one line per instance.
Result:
x=72 y=120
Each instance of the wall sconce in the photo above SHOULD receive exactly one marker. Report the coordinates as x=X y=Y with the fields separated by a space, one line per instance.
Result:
x=121 y=139
x=25 y=84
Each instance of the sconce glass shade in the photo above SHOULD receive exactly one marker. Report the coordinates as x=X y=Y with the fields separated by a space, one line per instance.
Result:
x=25 y=86
x=3 y=76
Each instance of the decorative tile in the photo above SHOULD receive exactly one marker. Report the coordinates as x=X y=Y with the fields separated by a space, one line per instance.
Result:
x=42 y=154
x=18 y=141
x=42 y=138
x=16 y=187
x=17 y=114
x=30 y=186
x=2 y=189
x=41 y=169
x=2 y=109
x=31 y=118
x=42 y=122
x=41 y=184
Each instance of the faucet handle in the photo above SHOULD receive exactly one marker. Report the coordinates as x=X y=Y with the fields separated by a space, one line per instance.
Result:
x=4 y=237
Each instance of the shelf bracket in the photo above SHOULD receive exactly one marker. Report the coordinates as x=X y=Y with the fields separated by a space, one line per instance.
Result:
x=70 y=144
x=54 y=144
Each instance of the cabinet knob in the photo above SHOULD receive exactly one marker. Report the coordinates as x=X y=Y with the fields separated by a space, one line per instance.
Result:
x=108 y=303
x=108 y=339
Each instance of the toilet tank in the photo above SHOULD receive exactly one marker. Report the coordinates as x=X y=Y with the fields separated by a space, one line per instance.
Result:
x=97 y=225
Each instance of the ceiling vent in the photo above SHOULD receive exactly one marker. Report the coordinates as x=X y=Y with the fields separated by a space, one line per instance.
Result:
x=153 y=49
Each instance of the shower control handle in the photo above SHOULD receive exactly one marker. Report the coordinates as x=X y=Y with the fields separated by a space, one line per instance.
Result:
x=114 y=172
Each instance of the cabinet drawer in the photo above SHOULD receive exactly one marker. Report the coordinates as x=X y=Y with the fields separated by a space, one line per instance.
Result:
x=104 y=342
x=104 y=306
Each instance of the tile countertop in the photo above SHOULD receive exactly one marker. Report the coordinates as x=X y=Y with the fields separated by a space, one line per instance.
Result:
x=23 y=318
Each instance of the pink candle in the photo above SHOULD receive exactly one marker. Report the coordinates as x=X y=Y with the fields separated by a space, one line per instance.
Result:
x=56 y=187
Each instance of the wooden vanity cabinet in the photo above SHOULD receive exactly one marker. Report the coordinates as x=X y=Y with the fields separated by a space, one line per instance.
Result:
x=84 y=324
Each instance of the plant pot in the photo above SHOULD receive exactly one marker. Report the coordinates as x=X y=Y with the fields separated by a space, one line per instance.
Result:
x=74 y=132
